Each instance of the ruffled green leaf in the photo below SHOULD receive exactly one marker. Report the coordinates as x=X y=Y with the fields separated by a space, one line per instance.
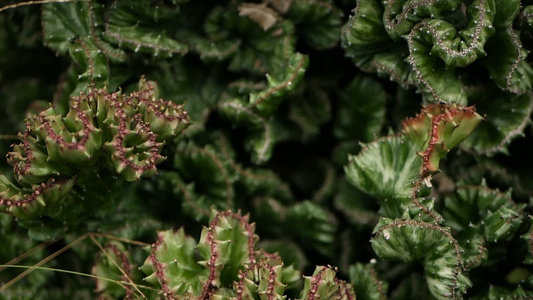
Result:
x=366 y=283
x=361 y=113
x=262 y=139
x=134 y=25
x=319 y=22
x=64 y=23
x=497 y=214
x=309 y=222
x=280 y=82
x=401 y=17
x=364 y=34
x=456 y=49
x=474 y=246
x=208 y=171
x=366 y=41
x=265 y=41
x=387 y=168
x=442 y=38
x=429 y=244
x=435 y=48
x=507 y=116
x=506 y=13
x=254 y=114
x=506 y=62
x=76 y=28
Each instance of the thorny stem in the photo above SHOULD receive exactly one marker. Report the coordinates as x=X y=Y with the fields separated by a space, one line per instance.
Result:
x=314 y=284
x=478 y=257
x=95 y=38
x=158 y=266
x=273 y=90
x=212 y=263
x=378 y=283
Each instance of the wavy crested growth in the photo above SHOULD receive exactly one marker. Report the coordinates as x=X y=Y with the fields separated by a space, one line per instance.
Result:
x=432 y=245
x=121 y=132
x=397 y=169
x=224 y=264
x=444 y=49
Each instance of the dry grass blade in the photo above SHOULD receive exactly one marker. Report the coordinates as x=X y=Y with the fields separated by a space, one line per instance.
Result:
x=15 y=5
x=42 y=262
x=27 y=254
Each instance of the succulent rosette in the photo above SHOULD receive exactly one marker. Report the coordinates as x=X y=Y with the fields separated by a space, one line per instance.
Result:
x=449 y=50
x=125 y=133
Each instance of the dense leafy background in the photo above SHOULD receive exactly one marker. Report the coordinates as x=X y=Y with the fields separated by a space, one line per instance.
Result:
x=279 y=94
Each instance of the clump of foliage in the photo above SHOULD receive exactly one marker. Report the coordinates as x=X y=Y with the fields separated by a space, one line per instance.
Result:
x=127 y=131
x=226 y=266
x=316 y=124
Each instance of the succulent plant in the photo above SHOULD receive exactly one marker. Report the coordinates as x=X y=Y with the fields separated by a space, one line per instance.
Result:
x=382 y=147
x=126 y=132
x=225 y=264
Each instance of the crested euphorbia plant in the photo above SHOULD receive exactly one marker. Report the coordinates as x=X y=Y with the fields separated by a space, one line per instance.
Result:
x=453 y=52
x=225 y=264
x=123 y=132
x=382 y=147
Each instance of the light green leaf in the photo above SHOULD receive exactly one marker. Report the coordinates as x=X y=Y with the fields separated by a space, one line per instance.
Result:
x=386 y=169
x=310 y=222
x=429 y=244
x=324 y=285
x=366 y=283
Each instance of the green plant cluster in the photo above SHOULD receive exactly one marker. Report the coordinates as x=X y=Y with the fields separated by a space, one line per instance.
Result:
x=382 y=147
x=226 y=266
